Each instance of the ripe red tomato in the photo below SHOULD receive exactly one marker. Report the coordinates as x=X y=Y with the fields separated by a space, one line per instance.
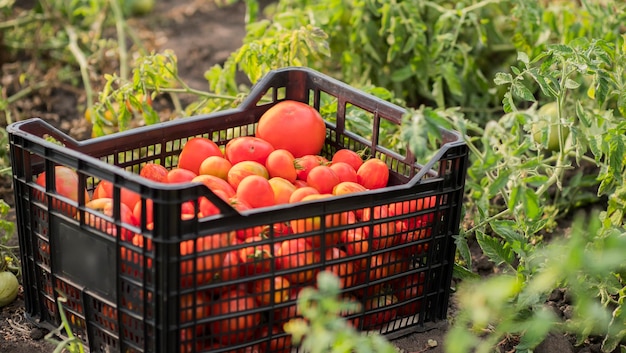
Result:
x=257 y=258
x=215 y=183
x=231 y=330
x=373 y=174
x=65 y=184
x=323 y=178
x=344 y=171
x=295 y=253
x=207 y=208
x=347 y=156
x=180 y=175
x=301 y=193
x=307 y=162
x=248 y=148
x=293 y=126
x=355 y=242
x=256 y=191
x=204 y=265
x=383 y=234
x=242 y=169
x=154 y=172
x=195 y=151
x=281 y=163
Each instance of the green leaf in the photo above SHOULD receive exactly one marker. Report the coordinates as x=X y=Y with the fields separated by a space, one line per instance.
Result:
x=451 y=76
x=494 y=249
x=531 y=204
x=523 y=57
x=571 y=84
x=502 y=78
x=402 y=74
x=521 y=91
x=506 y=229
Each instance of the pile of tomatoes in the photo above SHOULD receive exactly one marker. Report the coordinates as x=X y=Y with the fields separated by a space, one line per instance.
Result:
x=264 y=267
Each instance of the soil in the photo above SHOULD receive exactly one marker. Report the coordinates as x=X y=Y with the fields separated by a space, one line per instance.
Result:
x=201 y=35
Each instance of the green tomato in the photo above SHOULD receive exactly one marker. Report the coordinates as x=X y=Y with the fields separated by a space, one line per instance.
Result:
x=548 y=120
x=141 y=7
x=8 y=288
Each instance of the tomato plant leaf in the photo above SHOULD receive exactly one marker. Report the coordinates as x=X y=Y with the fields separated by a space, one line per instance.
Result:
x=521 y=91
x=531 y=204
x=494 y=249
x=506 y=229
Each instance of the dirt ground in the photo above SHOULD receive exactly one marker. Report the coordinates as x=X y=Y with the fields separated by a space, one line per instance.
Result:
x=201 y=35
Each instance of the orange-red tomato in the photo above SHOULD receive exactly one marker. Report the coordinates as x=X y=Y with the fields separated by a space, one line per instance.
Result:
x=154 y=172
x=293 y=126
x=281 y=163
x=347 y=156
x=373 y=174
x=204 y=265
x=323 y=178
x=180 y=175
x=344 y=171
x=307 y=162
x=382 y=233
x=248 y=148
x=195 y=151
x=215 y=183
x=65 y=184
x=296 y=253
x=256 y=191
x=301 y=193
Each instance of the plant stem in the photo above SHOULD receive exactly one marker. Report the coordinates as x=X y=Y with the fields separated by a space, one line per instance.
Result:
x=121 y=38
x=482 y=223
x=82 y=63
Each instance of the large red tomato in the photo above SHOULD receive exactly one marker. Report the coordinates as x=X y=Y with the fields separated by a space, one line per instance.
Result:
x=195 y=151
x=294 y=126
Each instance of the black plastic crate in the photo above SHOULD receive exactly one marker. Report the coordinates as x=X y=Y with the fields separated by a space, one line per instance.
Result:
x=167 y=287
